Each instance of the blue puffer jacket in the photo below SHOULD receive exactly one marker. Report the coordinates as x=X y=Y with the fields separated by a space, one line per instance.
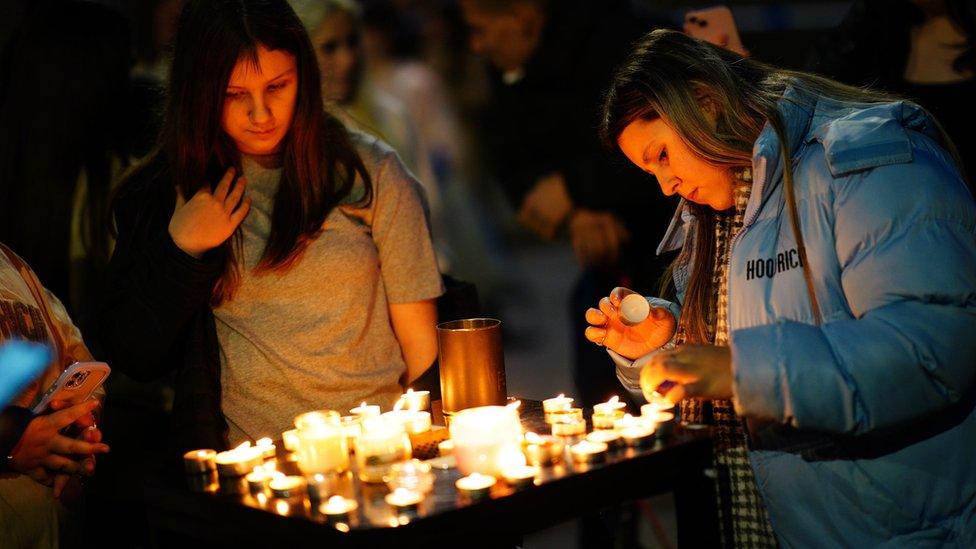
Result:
x=890 y=232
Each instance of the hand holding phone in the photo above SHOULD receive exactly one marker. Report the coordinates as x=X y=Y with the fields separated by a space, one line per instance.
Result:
x=76 y=384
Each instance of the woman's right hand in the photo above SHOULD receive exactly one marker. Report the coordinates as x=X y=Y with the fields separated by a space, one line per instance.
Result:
x=43 y=451
x=630 y=341
x=208 y=219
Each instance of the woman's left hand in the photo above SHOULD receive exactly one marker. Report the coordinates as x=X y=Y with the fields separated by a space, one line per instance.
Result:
x=699 y=371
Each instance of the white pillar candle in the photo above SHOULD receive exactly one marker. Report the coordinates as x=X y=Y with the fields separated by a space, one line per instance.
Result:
x=484 y=435
x=322 y=445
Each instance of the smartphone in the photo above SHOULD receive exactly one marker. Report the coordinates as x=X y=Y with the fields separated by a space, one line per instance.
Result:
x=715 y=25
x=75 y=385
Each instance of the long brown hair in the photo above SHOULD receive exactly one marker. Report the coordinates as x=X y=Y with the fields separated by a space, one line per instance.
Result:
x=672 y=76
x=320 y=162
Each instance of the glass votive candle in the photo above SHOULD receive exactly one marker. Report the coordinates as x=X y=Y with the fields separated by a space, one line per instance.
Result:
x=605 y=420
x=560 y=403
x=567 y=424
x=366 y=410
x=338 y=508
x=611 y=438
x=484 y=436
x=414 y=400
x=258 y=479
x=414 y=475
x=404 y=500
x=520 y=476
x=543 y=451
x=352 y=427
x=587 y=452
x=382 y=443
x=322 y=445
x=320 y=485
x=475 y=486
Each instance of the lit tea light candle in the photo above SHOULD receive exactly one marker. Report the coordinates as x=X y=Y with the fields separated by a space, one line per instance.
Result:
x=258 y=479
x=475 y=486
x=657 y=403
x=520 y=476
x=338 y=508
x=638 y=436
x=569 y=428
x=287 y=487
x=239 y=461
x=445 y=447
x=200 y=461
x=560 y=403
x=267 y=447
x=543 y=451
x=413 y=400
x=366 y=410
x=588 y=452
x=290 y=440
x=566 y=416
x=610 y=406
x=201 y=470
x=404 y=500
x=632 y=421
x=611 y=438
x=414 y=422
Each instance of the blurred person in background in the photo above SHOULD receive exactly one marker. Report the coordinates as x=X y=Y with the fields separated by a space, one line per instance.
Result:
x=40 y=465
x=550 y=62
x=924 y=50
x=63 y=96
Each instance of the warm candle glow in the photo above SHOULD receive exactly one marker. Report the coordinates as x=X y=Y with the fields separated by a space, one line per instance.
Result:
x=403 y=497
x=338 y=505
x=475 y=482
x=558 y=404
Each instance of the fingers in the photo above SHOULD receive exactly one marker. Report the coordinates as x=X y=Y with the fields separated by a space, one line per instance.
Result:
x=61 y=464
x=618 y=294
x=66 y=417
x=595 y=317
x=41 y=475
x=220 y=193
x=58 y=404
x=607 y=308
x=596 y=335
x=234 y=196
x=60 y=481
x=92 y=434
x=66 y=445
x=660 y=313
x=240 y=213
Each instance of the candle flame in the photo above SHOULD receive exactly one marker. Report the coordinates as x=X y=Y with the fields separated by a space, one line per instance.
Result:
x=532 y=438
x=561 y=395
x=409 y=391
x=399 y=404
x=242 y=446
x=266 y=441
x=613 y=400
x=515 y=405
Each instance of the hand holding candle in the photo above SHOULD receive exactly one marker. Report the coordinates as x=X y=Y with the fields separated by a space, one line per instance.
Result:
x=609 y=328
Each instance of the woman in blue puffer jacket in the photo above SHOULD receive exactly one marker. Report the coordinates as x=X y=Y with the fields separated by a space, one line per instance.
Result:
x=825 y=294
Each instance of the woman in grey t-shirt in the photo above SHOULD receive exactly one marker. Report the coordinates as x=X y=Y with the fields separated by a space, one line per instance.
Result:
x=313 y=245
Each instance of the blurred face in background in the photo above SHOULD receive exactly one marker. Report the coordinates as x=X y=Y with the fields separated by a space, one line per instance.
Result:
x=336 y=44
x=260 y=101
x=508 y=37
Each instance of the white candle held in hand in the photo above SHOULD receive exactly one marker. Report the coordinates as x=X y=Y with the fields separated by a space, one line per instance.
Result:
x=634 y=309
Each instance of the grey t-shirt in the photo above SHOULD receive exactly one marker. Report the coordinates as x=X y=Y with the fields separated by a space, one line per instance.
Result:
x=319 y=335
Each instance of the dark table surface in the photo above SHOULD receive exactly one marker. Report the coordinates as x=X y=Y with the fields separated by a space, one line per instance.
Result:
x=676 y=463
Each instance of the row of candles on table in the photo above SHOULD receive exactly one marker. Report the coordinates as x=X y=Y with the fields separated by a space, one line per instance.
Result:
x=487 y=443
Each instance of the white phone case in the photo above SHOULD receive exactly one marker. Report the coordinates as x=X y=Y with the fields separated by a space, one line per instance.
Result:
x=75 y=385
